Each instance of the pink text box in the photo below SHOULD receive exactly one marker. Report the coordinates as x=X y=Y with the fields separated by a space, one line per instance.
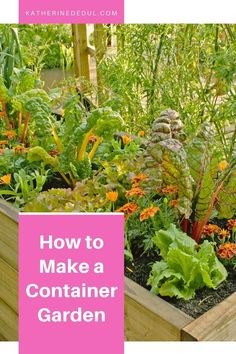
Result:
x=71 y=11
x=36 y=337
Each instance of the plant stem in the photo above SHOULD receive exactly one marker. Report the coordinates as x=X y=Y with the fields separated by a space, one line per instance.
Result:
x=95 y=147
x=19 y=119
x=84 y=145
x=57 y=140
x=25 y=128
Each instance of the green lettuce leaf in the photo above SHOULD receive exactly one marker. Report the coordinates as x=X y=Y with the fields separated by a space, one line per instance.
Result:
x=184 y=268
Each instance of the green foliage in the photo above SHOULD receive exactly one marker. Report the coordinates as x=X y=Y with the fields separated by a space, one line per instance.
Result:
x=37 y=153
x=45 y=46
x=26 y=186
x=184 y=268
x=167 y=150
x=87 y=196
x=23 y=80
x=74 y=157
x=10 y=53
x=104 y=122
x=190 y=68
x=11 y=163
x=3 y=90
x=37 y=103
x=227 y=196
x=194 y=168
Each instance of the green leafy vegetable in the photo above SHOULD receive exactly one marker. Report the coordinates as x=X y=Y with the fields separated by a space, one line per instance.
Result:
x=184 y=268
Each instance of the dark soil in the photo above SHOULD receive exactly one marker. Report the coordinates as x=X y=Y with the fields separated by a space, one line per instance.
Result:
x=139 y=269
x=55 y=181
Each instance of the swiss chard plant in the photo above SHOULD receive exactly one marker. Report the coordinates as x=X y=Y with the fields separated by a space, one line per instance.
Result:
x=185 y=267
x=196 y=167
x=76 y=147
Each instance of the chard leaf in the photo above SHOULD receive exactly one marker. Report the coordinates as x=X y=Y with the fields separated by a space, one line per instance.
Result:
x=37 y=153
x=226 y=205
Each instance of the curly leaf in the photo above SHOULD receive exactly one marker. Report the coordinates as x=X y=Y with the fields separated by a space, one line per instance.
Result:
x=184 y=269
x=104 y=122
x=39 y=154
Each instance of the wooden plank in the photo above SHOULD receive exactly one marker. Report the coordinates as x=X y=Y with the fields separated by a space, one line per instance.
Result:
x=8 y=210
x=149 y=318
x=91 y=50
x=80 y=44
x=8 y=322
x=217 y=324
x=9 y=240
x=100 y=39
x=2 y=339
x=9 y=285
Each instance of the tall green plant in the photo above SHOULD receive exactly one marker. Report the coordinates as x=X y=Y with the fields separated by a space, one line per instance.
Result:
x=188 y=67
x=204 y=181
x=10 y=53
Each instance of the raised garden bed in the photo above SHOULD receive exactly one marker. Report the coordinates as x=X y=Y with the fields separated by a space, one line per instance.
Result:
x=150 y=318
x=8 y=272
x=147 y=317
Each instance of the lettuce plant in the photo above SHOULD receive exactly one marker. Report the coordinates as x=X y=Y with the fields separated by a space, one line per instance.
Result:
x=185 y=267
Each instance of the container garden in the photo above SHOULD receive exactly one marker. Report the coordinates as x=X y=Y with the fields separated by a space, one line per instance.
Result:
x=150 y=318
x=147 y=317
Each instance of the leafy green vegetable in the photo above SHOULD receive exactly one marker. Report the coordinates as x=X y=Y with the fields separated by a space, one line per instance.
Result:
x=194 y=168
x=184 y=268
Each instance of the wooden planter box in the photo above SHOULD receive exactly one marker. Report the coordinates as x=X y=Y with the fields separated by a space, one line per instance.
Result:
x=147 y=317
x=150 y=318
x=8 y=272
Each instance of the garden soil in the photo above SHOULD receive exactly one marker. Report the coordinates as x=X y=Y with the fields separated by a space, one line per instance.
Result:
x=139 y=269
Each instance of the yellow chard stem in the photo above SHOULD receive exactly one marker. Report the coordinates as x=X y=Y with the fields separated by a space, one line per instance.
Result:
x=95 y=147
x=65 y=178
x=72 y=179
x=84 y=145
x=57 y=140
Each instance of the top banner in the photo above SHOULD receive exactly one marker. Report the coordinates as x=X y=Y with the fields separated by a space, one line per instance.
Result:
x=71 y=11
x=117 y=11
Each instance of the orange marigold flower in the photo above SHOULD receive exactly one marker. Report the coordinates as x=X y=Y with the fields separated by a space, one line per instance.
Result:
x=126 y=139
x=211 y=229
x=170 y=189
x=174 y=203
x=3 y=142
x=141 y=133
x=135 y=191
x=227 y=250
x=148 y=213
x=224 y=233
x=6 y=179
x=20 y=149
x=92 y=139
x=231 y=224
x=9 y=133
x=139 y=178
x=223 y=165
x=128 y=208
x=1 y=151
x=112 y=196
